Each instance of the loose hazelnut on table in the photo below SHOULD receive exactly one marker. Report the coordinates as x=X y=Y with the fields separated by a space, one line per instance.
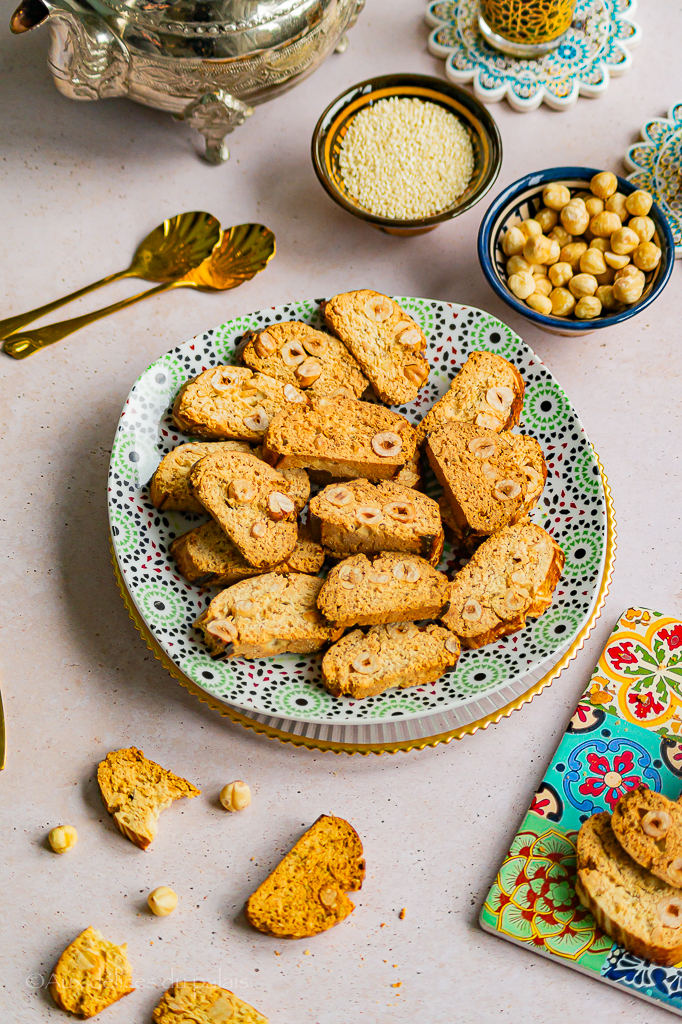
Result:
x=604 y=184
x=513 y=242
x=639 y=203
x=583 y=284
x=556 y=196
x=644 y=228
x=162 y=901
x=235 y=796
x=604 y=224
x=646 y=256
x=575 y=217
x=560 y=273
x=624 y=241
x=62 y=838
x=562 y=301
x=588 y=308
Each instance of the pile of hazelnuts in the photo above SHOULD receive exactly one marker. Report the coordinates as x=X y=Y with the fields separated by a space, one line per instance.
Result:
x=583 y=254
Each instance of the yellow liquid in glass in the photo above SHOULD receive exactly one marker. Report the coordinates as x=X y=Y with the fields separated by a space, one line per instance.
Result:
x=528 y=21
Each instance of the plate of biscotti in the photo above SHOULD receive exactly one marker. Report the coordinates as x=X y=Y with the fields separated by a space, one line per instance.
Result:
x=363 y=519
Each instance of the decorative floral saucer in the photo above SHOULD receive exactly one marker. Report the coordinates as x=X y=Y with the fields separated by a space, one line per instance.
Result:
x=656 y=165
x=626 y=731
x=596 y=48
x=283 y=696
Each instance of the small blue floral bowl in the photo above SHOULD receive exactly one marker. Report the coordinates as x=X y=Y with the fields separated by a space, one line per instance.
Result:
x=522 y=200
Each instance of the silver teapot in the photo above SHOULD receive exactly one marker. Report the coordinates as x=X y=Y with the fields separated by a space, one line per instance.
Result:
x=207 y=62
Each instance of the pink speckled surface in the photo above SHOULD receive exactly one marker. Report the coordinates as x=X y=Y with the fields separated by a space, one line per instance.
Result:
x=80 y=185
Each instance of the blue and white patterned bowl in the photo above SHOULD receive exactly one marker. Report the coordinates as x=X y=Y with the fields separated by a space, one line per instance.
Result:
x=523 y=199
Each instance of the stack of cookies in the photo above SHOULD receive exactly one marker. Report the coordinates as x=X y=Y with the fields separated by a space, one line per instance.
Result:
x=309 y=407
x=630 y=874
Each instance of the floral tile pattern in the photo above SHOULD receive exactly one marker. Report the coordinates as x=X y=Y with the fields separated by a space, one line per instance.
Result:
x=612 y=745
x=596 y=48
x=656 y=165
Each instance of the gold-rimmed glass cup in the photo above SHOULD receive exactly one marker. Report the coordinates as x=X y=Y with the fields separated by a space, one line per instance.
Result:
x=525 y=28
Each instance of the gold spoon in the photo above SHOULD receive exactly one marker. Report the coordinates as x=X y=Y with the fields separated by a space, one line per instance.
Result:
x=243 y=251
x=167 y=254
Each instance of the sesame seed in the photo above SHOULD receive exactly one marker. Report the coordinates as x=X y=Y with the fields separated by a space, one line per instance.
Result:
x=406 y=159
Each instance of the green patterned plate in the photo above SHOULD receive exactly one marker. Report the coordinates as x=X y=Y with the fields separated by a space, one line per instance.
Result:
x=287 y=688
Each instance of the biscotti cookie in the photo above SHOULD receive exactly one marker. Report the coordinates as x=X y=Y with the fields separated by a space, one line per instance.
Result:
x=251 y=503
x=313 y=361
x=231 y=402
x=200 y=1002
x=343 y=437
x=649 y=827
x=306 y=893
x=410 y=475
x=265 y=616
x=512 y=574
x=390 y=587
x=638 y=910
x=90 y=975
x=399 y=654
x=462 y=540
x=487 y=391
x=360 y=517
x=170 y=487
x=136 y=790
x=491 y=480
x=387 y=343
x=207 y=557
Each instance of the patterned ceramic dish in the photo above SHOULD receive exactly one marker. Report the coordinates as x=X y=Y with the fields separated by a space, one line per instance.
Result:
x=333 y=125
x=656 y=165
x=523 y=199
x=285 y=693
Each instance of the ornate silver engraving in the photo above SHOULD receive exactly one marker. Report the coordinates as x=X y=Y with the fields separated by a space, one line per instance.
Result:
x=215 y=114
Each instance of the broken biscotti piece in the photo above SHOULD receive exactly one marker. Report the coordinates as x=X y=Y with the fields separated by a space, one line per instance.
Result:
x=306 y=893
x=170 y=487
x=512 y=574
x=231 y=402
x=385 y=340
x=251 y=503
x=391 y=587
x=487 y=391
x=360 y=517
x=200 y=1002
x=265 y=616
x=343 y=437
x=313 y=361
x=490 y=480
x=90 y=975
x=399 y=654
x=649 y=827
x=637 y=909
x=207 y=557
x=462 y=540
x=136 y=790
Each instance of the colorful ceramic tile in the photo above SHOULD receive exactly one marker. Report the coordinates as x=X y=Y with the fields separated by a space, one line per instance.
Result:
x=624 y=733
x=596 y=48
x=656 y=165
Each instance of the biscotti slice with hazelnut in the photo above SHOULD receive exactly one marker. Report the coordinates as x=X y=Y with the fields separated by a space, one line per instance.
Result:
x=251 y=503
x=638 y=910
x=462 y=540
x=512 y=575
x=170 y=488
x=311 y=360
x=265 y=616
x=487 y=391
x=491 y=480
x=207 y=557
x=306 y=893
x=391 y=587
x=398 y=654
x=361 y=517
x=649 y=827
x=91 y=974
x=387 y=343
x=232 y=402
x=135 y=790
x=200 y=1002
x=343 y=437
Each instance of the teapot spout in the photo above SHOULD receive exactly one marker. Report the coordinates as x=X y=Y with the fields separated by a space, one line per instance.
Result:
x=29 y=14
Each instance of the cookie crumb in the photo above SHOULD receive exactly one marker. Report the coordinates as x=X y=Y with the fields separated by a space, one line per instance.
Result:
x=277 y=953
x=306 y=952
x=383 y=924
x=396 y=984
x=402 y=913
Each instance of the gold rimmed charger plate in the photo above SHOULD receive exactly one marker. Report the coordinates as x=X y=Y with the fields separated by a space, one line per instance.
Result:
x=312 y=742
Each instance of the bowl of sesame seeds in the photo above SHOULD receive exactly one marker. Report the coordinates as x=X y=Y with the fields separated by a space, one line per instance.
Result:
x=406 y=152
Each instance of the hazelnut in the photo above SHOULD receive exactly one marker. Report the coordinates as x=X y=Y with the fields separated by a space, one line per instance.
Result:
x=583 y=284
x=515 y=264
x=627 y=290
x=62 y=838
x=639 y=203
x=605 y=224
x=572 y=253
x=556 y=196
x=574 y=217
x=416 y=373
x=366 y=663
x=259 y=529
x=367 y=515
x=308 y=371
x=280 y=505
x=560 y=274
x=562 y=301
x=293 y=353
x=588 y=307
x=292 y=394
x=538 y=249
x=408 y=336
x=513 y=242
x=315 y=346
x=547 y=219
x=339 y=496
x=265 y=345
x=656 y=824
x=592 y=262
x=506 y=490
x=604 y=184
x=482 y=447
x=541 y=303
x=224 y=629
x=644 y=228
x=616 y=204
x=600 y=243
x=669 y=911
x=387 y=444
x=378 y=308
x=522 y=285
x=329 y=895
x=561 y=235
x=406 y=571
x=646 y=256
x=472 y=610
x=530 y=228
x=401 y=511
x=606 y=297
x=258 y=421
x=594 y=205
x=499 y=398
x=162 y=901
x=235 y=796
x=543 y=287
x=624 y=241
x=616 y=261
x=242 y=491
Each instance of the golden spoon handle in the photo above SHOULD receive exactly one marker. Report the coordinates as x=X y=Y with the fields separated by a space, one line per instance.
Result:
x=14 y=323
x=21 y=345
